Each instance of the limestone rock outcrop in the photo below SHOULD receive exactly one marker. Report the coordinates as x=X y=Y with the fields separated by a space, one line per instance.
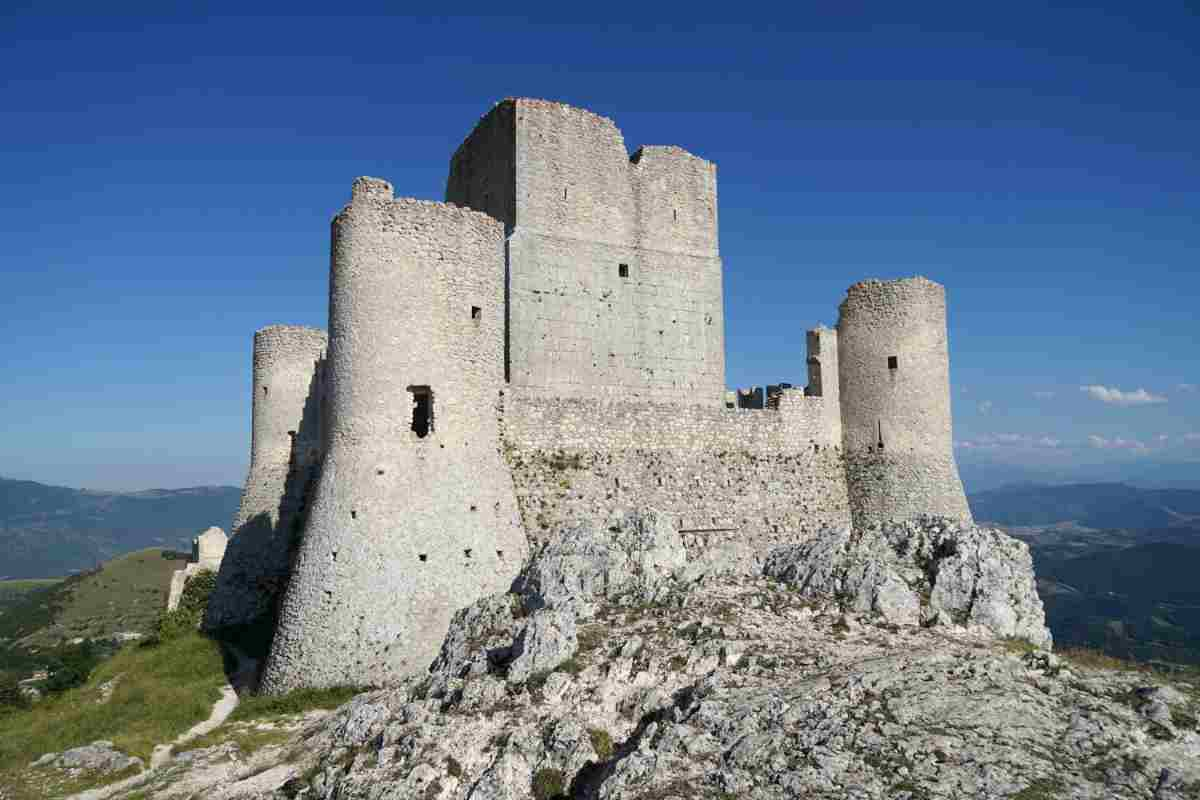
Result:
x=659 y=682
x=931 y=571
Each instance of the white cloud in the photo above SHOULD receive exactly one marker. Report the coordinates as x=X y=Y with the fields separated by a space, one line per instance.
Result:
x=1115 y=397
x=1044 y=395
x=1186 y=387
x=1009 y=440
x=985 y=407
x=1100 y=443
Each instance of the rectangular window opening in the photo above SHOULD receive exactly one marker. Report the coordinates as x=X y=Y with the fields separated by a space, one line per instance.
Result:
x=476 y=313
x=893 y=362
x=422 y=408
x=623 y=270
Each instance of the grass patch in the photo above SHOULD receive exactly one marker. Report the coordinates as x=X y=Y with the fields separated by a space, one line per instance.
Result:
x=294 y=702
x=247 y=738
x=163 y=691
x=548 y=784
x=1094 y=659
x=1041 y=789
x=1012 y=644
x=602 y=743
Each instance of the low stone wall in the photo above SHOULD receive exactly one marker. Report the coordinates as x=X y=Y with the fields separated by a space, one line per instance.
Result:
x=738 y=481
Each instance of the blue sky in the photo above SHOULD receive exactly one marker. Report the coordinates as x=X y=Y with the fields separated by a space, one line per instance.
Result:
x=168 y=182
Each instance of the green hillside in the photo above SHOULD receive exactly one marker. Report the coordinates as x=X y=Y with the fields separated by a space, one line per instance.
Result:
x=125 y=594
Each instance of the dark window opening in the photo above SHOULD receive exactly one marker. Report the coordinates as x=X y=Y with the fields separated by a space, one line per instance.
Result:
x=564 y=193
x=499 y=554
x=893 y=362
x=879 y=423
x=353 y=515
x=623 y=270
x=266 y=391
x=675 y=214
x=473 y=508
x=467 y=552
x=476 y=313
x=424 y=557
x=422 y=406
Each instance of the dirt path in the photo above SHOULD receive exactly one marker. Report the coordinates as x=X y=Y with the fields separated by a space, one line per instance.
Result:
x=162 y=753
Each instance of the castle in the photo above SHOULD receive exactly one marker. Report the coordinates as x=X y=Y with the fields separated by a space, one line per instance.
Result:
x=545 y=346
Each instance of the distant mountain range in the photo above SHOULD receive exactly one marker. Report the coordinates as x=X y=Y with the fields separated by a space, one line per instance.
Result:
x=49 y=531
x=1092 y=505
x=1116 y=564
x=980 y=474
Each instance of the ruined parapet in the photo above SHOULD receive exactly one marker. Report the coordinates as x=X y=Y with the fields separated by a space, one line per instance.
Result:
x=824 y=378
x=894 y=380
x=614 y=274
x=285 y=452
x=414 y=515
x=208 y=549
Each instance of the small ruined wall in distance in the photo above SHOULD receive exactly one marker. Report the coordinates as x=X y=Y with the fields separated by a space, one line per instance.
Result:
x=738 y=481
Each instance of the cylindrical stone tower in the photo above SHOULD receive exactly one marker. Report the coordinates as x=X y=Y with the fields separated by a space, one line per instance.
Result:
x=285 y=450
x=894 y=379
x=414 y=515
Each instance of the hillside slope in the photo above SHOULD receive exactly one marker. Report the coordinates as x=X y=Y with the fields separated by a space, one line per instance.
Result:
x=123 y=595
x=1093 y=505
x=48 y=531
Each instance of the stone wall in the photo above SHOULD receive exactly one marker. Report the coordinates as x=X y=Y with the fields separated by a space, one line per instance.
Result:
x=737 y=481
x=414 y=515
x=285 y=451
x=894 y=370
x=612 y=263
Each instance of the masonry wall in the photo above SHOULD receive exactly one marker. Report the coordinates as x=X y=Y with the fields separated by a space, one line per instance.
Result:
x=613 y=269
x=738 y=481
x=285 y=451
x=894 y=369
x=404 y=529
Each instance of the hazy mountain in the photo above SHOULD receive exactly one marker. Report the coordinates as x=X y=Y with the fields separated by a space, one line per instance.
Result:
x=47 y=531
x=1093 y=505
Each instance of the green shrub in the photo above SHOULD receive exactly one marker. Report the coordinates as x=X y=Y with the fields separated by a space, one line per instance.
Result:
x=190 y=611
x=602 y=743
x=548 y=784
x=294 y=702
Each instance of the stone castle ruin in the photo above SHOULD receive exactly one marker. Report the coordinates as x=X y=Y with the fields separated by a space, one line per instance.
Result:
x=545 y=346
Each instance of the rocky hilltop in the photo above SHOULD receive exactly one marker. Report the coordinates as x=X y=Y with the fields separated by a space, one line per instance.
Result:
x=904 y=662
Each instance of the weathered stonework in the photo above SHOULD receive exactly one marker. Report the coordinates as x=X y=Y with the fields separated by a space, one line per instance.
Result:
x=894 y=368
x=543 y=348
x=407 y=525
x=285 y=453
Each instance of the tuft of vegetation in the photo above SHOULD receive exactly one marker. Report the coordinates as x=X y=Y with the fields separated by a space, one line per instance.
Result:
x=1041 y=789
x=1094 y=659
x=571 y=666
x=548 y=784
x=247 y=738
x=1017 y=646
x=453 y=768
x=158 y=692
x=602 y=743
x=192 y=604
x=294 y=702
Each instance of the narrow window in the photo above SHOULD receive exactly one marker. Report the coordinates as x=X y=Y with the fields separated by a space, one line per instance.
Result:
x=564 y=193
x=675 y=214
x=422 y=406
x=623 y=270
x=476 y=313
x=266 y=391
x=893 y=362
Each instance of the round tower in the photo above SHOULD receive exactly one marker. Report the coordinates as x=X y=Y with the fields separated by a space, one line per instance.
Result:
x=894 y=381
x=414 y=515
x=285 y=450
